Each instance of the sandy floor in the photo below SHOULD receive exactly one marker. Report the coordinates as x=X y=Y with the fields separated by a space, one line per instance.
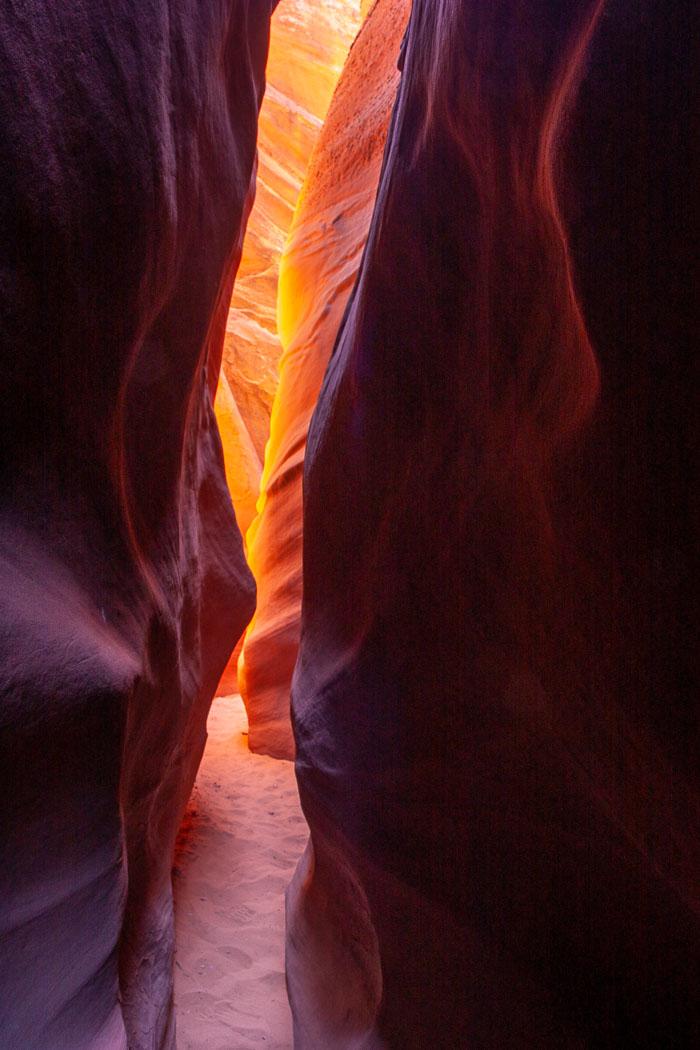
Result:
x=242 y=836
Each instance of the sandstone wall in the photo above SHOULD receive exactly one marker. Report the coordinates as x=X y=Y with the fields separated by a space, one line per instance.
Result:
x=308 y=45
x=495 y=703
x=317 y=271
x=127 y=145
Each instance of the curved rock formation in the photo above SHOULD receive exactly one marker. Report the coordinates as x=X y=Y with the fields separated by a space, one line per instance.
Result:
x=308 y=45
x=243 y=472
x=317 y=271
x=241 y=463
x=127 y=141
x=495 y=703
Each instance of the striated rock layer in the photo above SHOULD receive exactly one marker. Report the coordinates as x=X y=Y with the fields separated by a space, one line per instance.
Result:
x=127 y=148
x=495 y=703
x=308 y=45
x=317 y=271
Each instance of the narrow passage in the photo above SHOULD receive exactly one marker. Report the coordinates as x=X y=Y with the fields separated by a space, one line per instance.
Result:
x=242 y=836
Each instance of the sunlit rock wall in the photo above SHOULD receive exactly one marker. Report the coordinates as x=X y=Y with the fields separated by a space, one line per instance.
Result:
x=241 y=462
x=495 y=704
x=308 y=45
x=243 y=473
x=127 y=143
x=317 y=271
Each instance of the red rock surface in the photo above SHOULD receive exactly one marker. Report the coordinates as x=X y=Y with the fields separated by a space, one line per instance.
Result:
x=317 y=270
x=495 y=704
x=127 y=146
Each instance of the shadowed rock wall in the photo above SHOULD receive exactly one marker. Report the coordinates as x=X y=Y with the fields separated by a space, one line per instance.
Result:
x=127 y=147
x=495 y=703
x=317 y=271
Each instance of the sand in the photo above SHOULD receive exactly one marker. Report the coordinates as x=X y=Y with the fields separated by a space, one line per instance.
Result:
x=241 y=839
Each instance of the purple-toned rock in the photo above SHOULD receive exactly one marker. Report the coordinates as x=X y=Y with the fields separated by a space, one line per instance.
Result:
x=495 y=703
x=127 y=145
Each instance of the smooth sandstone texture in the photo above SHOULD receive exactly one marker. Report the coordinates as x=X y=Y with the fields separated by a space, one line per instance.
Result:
x=241 y=463
x=495 y=704
x=318 y=267
x=308 y=45
x=243 y=472
x=127 y=146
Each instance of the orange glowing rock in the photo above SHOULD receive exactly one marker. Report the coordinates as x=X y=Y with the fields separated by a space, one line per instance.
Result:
x=243 y=471
x=243 y=468
x=317 y=272
x=308 y=45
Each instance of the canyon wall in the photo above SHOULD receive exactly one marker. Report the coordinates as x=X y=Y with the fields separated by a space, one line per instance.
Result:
x=317 y=270
x=127 y=141
x=243 y=473
x=308 y=45
x=495 y=702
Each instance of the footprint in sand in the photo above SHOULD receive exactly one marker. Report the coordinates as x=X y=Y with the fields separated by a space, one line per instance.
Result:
x=243 y=913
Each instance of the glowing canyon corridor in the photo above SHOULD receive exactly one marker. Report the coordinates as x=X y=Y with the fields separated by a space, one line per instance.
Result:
x=415 y=470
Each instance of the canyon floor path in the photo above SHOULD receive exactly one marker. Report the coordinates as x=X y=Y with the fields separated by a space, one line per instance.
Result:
x=241 y=839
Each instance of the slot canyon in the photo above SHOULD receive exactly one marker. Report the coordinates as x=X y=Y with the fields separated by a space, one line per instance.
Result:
x=347 y=362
